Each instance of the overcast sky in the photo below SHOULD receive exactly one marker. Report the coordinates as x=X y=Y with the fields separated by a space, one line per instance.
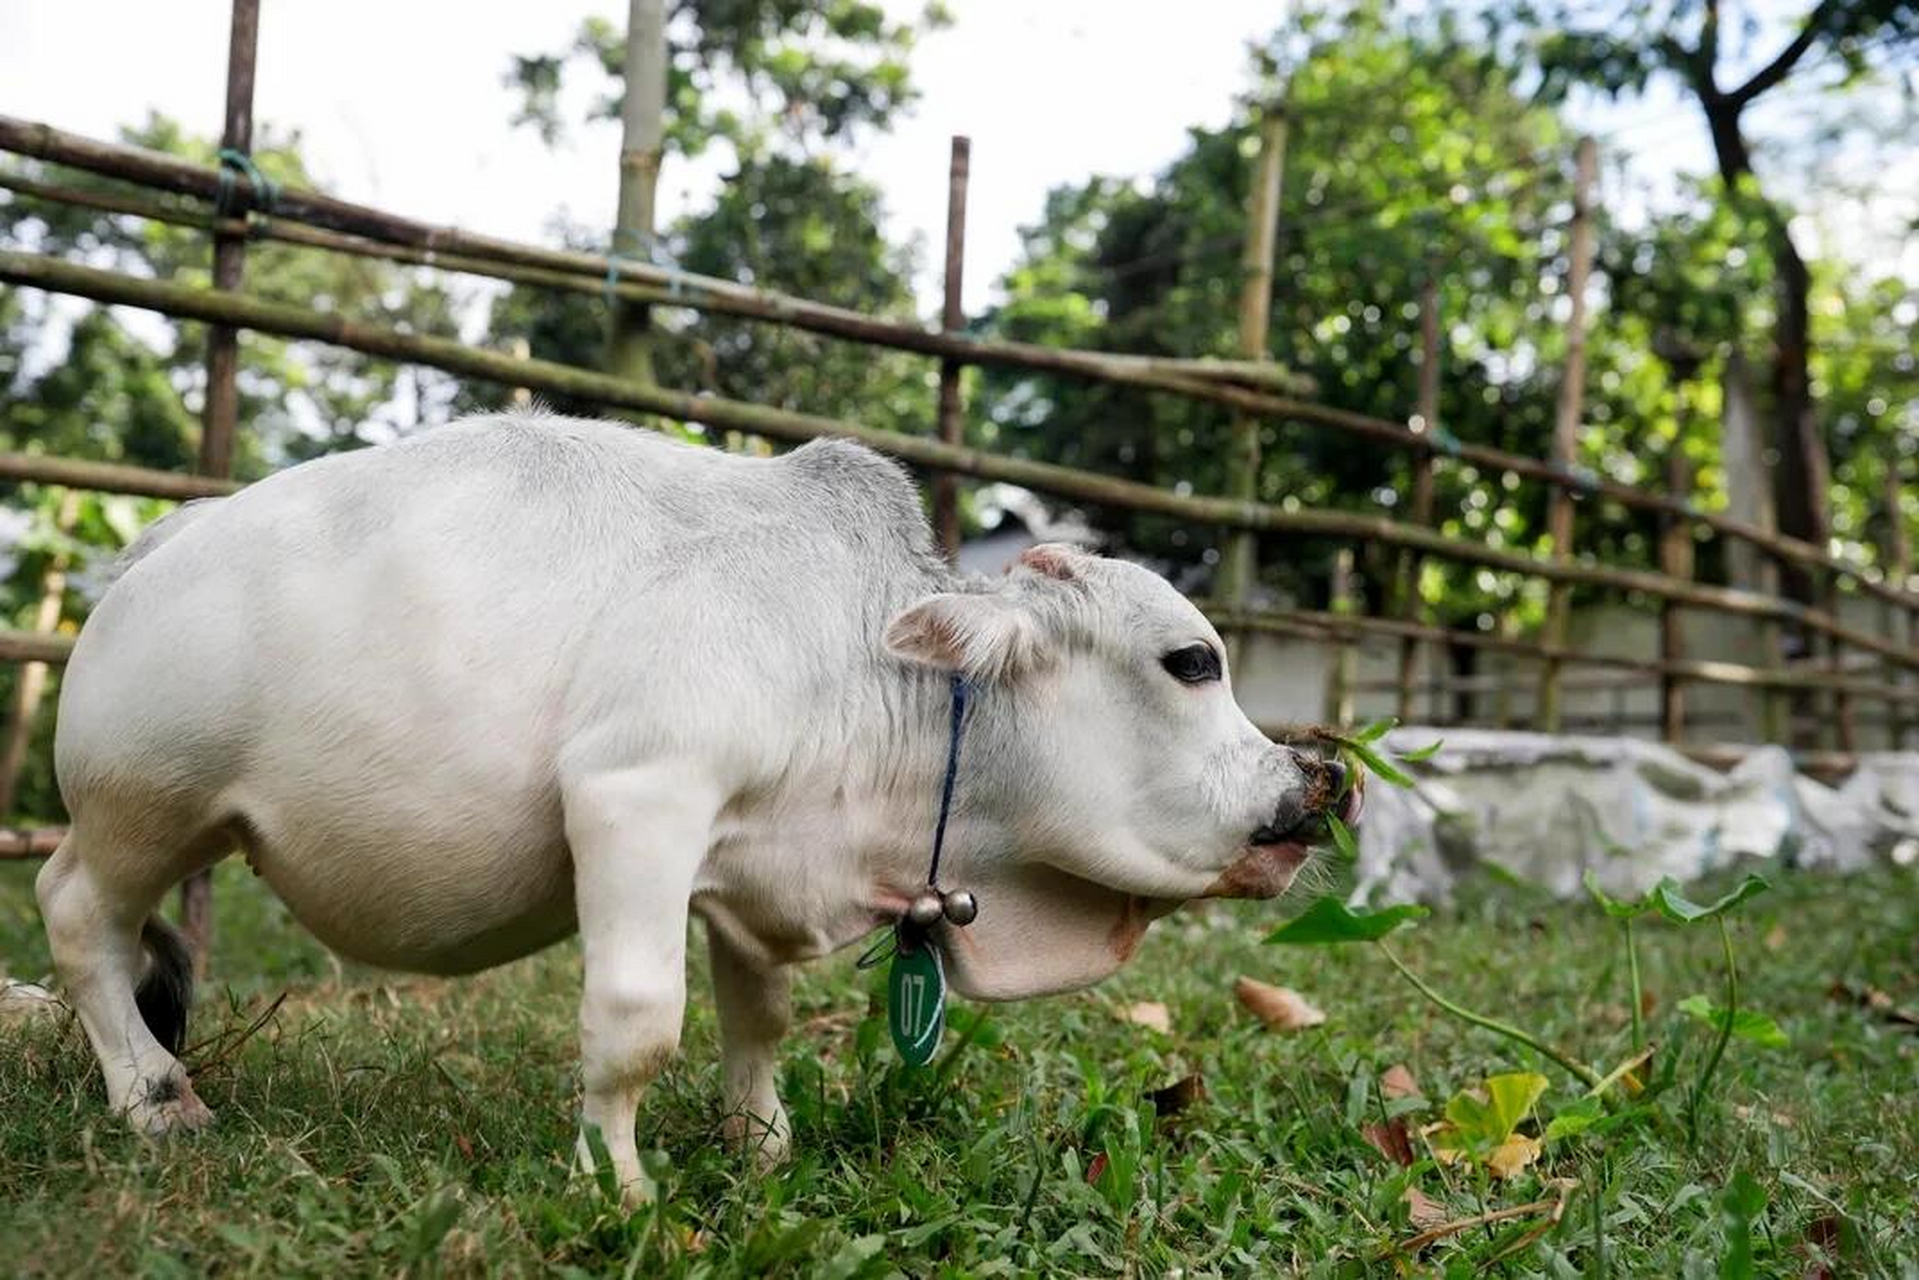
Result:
x=402 y=104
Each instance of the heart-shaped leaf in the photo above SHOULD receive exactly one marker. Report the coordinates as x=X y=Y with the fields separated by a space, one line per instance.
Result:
x=1330 y=920
x=1612 y=906
x=1747 y=1024
x=1679 y=909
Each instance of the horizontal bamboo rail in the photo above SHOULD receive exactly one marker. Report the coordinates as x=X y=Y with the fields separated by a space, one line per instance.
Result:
x=34 y=646
x=297 y=322
x=1319 y=624
x=438 y=244
x=1201 y=378
x=31 y=842
x=541 y=375
x=111 y=477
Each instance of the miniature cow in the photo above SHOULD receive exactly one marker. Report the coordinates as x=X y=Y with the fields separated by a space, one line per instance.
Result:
x=460 y=696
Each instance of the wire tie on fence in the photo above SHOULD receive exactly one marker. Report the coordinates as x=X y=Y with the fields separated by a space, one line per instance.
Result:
x=643 y=248
x=264 y=192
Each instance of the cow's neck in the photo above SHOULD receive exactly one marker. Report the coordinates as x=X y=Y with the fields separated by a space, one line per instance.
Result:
x=906 y=784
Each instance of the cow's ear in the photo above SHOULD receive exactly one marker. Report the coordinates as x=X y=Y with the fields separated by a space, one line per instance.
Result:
x=982 y=637
x=1057 y=560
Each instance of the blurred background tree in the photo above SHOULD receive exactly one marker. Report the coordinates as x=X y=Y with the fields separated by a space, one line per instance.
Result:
x=784 y=88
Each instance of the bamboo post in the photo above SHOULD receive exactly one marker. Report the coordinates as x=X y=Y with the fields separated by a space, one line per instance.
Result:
x=1239 y=566
x=1345 y=657
x=230 y=251
x=642 y=142
x=1676 y=560
x=1572 y=390
x=1752 y=565
x=946 y=522
x=223 y=393
x=1842 y=727
x=1421 y=501
x=1898 y=552
x=30 y=686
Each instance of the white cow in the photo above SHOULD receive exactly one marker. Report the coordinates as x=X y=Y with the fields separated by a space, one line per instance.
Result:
x=460 y=696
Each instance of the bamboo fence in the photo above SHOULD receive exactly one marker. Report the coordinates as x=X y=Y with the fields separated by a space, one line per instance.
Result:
x=1254 y=391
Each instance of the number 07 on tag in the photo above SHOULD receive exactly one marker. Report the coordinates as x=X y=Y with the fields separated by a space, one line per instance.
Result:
x=916 y=1002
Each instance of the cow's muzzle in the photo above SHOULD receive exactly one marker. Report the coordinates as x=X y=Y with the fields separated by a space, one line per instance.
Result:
x=1275 y=852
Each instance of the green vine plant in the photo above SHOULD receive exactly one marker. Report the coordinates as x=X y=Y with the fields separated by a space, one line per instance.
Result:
x=1329 y=921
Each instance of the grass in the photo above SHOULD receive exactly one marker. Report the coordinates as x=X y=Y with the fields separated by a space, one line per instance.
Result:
x=386 y=1125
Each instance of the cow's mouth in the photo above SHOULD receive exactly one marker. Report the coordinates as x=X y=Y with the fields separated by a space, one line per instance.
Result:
x=1272 y=857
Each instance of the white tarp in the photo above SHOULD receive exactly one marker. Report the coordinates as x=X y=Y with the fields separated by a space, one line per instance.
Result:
x=1546 y=808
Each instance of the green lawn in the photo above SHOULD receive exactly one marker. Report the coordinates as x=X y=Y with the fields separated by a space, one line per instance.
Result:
x=379 y=1125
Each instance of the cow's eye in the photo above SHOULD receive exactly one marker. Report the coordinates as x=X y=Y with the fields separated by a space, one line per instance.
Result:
x=1195 y=664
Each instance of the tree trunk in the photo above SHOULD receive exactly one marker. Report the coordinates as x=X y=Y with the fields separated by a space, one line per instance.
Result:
x=1802 y=473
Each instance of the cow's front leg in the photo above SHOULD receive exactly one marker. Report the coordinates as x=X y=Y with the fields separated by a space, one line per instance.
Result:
x=638 y=837
x=755 y=1007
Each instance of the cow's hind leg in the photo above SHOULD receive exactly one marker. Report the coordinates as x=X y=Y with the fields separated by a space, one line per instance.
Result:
x=755 y=1006
x=96 y=899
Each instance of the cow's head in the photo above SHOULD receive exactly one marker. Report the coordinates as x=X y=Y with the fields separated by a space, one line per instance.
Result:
x=1112 y=763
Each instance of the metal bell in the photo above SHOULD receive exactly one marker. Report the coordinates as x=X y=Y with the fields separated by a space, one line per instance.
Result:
x=962 y=908
x=926 y=910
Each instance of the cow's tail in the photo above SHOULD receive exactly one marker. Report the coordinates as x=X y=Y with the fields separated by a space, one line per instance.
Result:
x=166 y=991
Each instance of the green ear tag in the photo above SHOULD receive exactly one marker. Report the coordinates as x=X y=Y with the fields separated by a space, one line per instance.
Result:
x=916 y=1002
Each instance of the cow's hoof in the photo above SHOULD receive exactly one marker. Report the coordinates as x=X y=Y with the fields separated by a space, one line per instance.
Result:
x=768 y=1144
x=168 y=1108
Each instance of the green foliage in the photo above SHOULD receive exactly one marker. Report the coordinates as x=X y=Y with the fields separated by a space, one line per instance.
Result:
x=351 y=1126
x=799 y=79
x=1383 y=190
x=1667 y=899
x=132 y=393
x=1745 y=1024
x=807 y=72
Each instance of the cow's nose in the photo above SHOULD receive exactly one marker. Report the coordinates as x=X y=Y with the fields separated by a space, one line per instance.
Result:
x=1335 y=783
x=1325 y=782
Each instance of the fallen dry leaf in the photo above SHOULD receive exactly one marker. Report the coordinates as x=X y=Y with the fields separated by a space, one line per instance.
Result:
x=1776 y=937
x=1422 y=1210
x=1392 y=1141
x=1511 y=1157
x=1151 y=1013
x=1398 y=1082
x=1879 y=1002
x=1280 y=1008
x=1611 y=1015
x=1824 y=1241
x=1179 y=1095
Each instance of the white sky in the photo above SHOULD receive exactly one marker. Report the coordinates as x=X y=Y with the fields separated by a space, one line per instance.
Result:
x=403 y=104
